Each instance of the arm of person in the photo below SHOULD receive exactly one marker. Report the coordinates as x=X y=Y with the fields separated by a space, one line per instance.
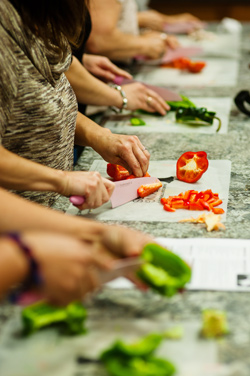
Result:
x=23 y=174
x=124 y=150
x=90 y=90
x=106 y=39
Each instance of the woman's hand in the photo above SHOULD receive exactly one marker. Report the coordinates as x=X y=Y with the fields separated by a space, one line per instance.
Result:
x=103 y=68
x=140 y=97
x=124 y=150
x=68 y=267
x=95 y=189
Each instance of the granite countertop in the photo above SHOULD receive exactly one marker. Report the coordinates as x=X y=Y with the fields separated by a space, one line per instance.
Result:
x=131 y=312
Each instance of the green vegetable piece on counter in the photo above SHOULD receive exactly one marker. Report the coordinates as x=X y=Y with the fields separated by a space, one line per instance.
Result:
x=175 y=332
x=41 y=315
x=136 y=359
x=137 y=121
x=164 y=271
x=185 y=103
x=214 y=323
x=196 y=116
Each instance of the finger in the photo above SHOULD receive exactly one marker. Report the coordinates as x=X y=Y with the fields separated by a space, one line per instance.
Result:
x=120 y=72
x=142 y=158
x=158 y=103
x=128 y=156
x=109 y=185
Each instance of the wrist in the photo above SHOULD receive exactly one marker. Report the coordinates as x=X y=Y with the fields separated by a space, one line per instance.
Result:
x=14 y=266
x=123 y=99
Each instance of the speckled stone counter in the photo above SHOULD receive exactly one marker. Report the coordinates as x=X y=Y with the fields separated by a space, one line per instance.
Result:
x=116 y=309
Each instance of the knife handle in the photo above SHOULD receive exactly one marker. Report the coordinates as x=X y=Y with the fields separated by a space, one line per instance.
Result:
x=77 y=200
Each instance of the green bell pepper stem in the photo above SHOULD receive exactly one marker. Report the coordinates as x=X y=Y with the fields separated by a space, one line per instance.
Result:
x=219 y=125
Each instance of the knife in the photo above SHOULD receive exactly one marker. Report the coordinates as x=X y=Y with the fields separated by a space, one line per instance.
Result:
x=121 y=268
x=125 y=191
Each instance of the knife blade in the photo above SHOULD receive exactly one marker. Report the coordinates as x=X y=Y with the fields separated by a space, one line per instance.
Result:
x=125 y=191
x=121 y=268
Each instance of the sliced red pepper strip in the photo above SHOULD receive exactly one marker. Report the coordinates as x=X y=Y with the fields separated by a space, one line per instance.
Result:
x=147 y=189
x=196 y=66
x=168 y=208
x=191 y=166
x=218 y=211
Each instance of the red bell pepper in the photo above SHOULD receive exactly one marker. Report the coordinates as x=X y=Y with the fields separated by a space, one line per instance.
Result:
x=147 y=189
x=196 y=66
x=191 y=166
x=118 y=172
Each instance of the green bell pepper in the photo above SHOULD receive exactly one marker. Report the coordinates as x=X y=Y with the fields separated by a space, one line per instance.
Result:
x=136 y=359
x=164 y=271
x=137 y=121
x=40 y=315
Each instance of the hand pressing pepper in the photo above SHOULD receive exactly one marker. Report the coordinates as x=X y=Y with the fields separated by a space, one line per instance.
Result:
x=148 y=189
x=118 y=172
x=191 y=166
x=196 y=116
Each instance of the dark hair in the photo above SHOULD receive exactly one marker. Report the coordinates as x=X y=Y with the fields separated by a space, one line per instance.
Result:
x=56 y=22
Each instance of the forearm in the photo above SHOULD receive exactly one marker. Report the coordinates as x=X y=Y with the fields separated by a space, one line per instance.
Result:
x=13 y=265
x=117 y=45
x=90 y=90
x=22 y=215
x=88 y=133
x=22 y=174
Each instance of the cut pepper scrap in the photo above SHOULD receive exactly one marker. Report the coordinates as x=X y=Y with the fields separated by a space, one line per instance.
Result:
x=148 y=189
x=196 y=116
x=193 y=200
x=214 y=323
x=137 y=121
x=184 y=63
x=191 y=166
x=118 y=172
x=212 y=221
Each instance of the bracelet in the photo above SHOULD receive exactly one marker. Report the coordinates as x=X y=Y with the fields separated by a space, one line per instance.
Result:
x=124 y=99
x=34 y=277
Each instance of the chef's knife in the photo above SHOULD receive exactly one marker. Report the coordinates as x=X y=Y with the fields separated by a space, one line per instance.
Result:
x=121 y=268
x=125 y=191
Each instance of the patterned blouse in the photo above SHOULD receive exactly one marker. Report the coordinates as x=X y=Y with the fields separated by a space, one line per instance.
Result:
x=38 y=107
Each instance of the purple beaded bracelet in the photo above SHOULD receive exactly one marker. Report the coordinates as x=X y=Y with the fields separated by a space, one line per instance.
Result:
x=34 y=277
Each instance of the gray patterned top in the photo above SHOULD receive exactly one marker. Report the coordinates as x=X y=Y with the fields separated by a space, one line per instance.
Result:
x=38 y=107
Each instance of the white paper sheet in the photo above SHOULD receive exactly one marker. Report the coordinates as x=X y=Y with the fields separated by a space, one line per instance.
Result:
x=149 y=209
x=217 y=264
x=167 y=124
x=218 y=73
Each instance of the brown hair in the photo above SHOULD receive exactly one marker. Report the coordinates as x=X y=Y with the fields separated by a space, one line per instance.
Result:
x=56 y=22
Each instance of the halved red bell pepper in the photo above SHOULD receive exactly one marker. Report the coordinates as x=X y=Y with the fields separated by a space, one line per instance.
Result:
x=118 y=172
x=191 y=166
x=148 y=189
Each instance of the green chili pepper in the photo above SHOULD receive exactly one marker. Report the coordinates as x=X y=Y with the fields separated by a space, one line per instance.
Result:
x=40 y=315
x=196 y=116
x=136 y=359
x=137 y=121
x=164 y=271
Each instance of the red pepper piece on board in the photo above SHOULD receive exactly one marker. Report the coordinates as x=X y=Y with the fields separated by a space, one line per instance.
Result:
x=117 y=172
x=147 y=189
x=168 y=208
x=191 y=166
x=196 y=66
